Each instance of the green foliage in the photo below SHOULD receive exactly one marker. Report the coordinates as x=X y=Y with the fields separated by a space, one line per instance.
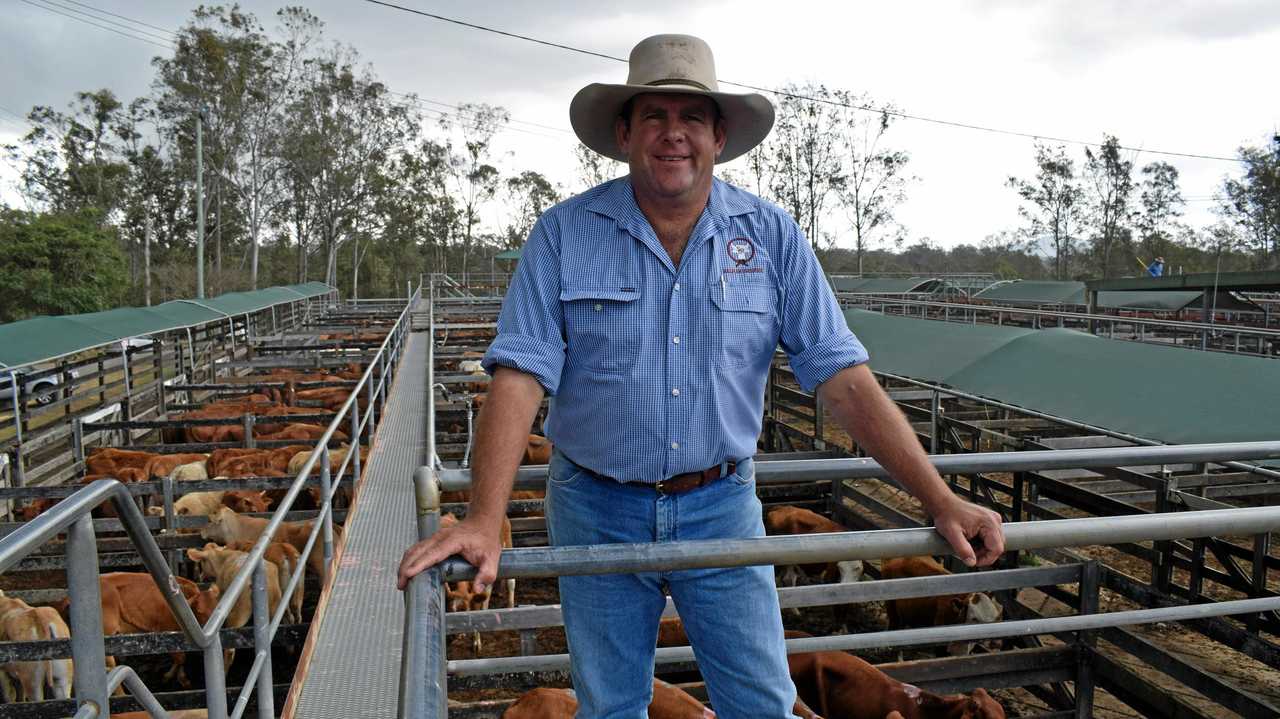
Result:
x=54 y=264
x=1053 y=203
x=1252 y=204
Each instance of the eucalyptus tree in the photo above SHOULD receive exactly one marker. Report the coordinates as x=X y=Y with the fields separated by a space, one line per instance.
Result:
x=1110 y=181
x=874 y=177
x=1053 y=205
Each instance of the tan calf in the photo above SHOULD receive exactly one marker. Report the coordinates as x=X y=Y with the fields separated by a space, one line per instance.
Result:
x=462 y=596
x=221 y=565
x=225 y=526
x=21 y=622
x=286 y=557
x=971 y=608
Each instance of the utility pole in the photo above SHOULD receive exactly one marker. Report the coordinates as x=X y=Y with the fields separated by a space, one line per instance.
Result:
x=199 y=206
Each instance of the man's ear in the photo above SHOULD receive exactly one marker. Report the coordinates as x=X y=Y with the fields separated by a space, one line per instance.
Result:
x=622 y=134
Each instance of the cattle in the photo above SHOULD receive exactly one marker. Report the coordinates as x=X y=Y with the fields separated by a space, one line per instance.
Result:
x=301 y=431
x=537 y=451
x=202 y=504
x=221 y=565
x=797 y=520
x=462 y=597
x=337 y=456
x=106 y=460
x=133 y=604
x=36 y=507
x=286 y=557
x=192 y=472
x=163 y=465
x=970 y=608
x=671 y=633
x=226 y=526
x=839 y=684
x=21 y=622
x=669 y=702
x=240 y=462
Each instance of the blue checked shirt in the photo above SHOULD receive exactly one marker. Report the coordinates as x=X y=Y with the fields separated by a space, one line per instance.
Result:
x=653 y=369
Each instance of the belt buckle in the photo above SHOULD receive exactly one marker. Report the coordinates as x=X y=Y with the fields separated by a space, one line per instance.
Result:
x=657 y=487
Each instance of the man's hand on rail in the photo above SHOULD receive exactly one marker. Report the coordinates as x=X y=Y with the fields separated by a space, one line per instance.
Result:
x=967 y=527
x=477 y=542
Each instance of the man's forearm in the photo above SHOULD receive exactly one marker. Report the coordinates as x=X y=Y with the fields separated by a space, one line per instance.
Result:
x=863 y=409
x=502 y=434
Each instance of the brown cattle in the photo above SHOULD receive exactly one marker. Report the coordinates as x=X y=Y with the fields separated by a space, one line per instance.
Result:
x=133 y=604
x=227 y=527
x=21 y=622
x=245 y=501
x=797 y=520
x=671 y=633
x=302 y=432
x=839 y=684
x=105 y=460
x=538 y=451
x=286 y=557
x=669 y=702
x=971 y=608
x=36 y=507
x=162 y=466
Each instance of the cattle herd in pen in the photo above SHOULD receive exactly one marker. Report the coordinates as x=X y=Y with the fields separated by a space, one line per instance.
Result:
x=212 y=531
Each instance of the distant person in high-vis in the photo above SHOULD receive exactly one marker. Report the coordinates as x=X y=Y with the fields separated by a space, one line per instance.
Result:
x=650 y=308
x=1156 y=268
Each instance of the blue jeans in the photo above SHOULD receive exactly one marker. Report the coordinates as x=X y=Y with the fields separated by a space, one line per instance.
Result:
x=611 y=621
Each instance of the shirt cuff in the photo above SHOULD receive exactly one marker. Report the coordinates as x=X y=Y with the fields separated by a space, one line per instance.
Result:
x=822 y=361
x=532 y=356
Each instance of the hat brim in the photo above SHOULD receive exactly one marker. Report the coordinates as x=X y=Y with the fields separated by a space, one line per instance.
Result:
x=594 y=112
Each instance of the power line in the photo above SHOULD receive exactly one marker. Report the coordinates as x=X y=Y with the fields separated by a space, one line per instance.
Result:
x=104 y=27
x=122 y=17
x=168 y=37
x=796 y=96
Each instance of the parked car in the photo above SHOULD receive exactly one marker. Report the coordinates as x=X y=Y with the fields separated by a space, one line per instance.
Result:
x=41 y=390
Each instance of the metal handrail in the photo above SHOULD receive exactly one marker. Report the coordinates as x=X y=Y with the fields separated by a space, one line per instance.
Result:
x=801 y=470
x=72 y=515
x=424 y=668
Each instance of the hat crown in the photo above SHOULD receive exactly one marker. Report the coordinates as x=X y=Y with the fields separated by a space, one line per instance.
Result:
x=680 y=60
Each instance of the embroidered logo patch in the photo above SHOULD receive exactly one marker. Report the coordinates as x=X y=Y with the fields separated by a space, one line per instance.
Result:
x=740 y=250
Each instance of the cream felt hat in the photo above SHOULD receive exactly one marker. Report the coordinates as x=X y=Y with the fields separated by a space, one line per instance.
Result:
x=669 y=64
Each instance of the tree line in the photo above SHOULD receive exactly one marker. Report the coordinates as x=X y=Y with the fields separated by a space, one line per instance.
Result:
x=314 y=169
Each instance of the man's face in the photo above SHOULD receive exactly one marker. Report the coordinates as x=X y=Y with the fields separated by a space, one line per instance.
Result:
x=671 y=145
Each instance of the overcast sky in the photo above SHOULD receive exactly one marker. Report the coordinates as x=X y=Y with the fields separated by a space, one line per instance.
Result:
x=1175 y=75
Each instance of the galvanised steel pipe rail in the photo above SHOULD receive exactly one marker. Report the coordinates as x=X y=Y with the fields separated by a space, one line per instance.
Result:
x=909 y=637
x=73 y=516
x=839 y=546
x=801 y=470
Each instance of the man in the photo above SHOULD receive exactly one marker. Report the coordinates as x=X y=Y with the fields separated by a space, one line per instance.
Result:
x=1156 y=268
x=649 y=308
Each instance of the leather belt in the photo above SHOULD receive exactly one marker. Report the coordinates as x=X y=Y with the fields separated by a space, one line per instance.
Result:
x=681 y=483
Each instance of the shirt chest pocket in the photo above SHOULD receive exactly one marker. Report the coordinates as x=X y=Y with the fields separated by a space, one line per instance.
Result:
x=744 y=322
x=602 y=328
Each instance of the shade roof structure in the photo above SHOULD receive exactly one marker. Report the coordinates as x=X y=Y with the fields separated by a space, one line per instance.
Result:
x=886 y=285
x=508 y=255
x=45 y=338
x=1166 y=394
x=1038 y=292
x=1258 y=281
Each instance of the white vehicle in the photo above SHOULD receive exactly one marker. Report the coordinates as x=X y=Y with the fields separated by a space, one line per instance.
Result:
x=42 y=390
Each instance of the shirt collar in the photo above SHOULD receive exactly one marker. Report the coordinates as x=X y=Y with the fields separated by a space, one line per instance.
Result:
x=618 y=201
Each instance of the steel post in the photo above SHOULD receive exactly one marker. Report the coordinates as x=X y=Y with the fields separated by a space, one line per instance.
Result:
x=1090 y=580
x=326 y=486
x=87 y=651
x=423 y=677
x=262 y=641
x=215 y=679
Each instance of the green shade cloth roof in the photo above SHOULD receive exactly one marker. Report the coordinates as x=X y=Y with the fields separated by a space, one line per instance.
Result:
x=885 y=285
x=1168 y=394
x=507 y=255
x=44 y=338
x=1036 y=292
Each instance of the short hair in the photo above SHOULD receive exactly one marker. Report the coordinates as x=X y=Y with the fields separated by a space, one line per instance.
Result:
x=625 y=112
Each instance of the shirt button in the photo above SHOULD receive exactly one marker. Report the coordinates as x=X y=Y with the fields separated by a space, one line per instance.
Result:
x=675 y=391
x=675 y=445
x=676 y=339
x=599 y=307
x=677 y=287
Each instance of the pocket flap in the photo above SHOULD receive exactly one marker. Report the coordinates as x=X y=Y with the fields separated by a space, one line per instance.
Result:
x=744 y=297
x=595 y=293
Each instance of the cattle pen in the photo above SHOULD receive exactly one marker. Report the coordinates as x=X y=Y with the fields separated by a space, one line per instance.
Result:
x=1130 y=543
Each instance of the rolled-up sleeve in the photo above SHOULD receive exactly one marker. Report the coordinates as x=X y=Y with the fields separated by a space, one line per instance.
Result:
x=530 y=326
x=814 y=333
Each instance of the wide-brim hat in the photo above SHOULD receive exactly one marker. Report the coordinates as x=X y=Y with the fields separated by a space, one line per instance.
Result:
x=669 y=64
